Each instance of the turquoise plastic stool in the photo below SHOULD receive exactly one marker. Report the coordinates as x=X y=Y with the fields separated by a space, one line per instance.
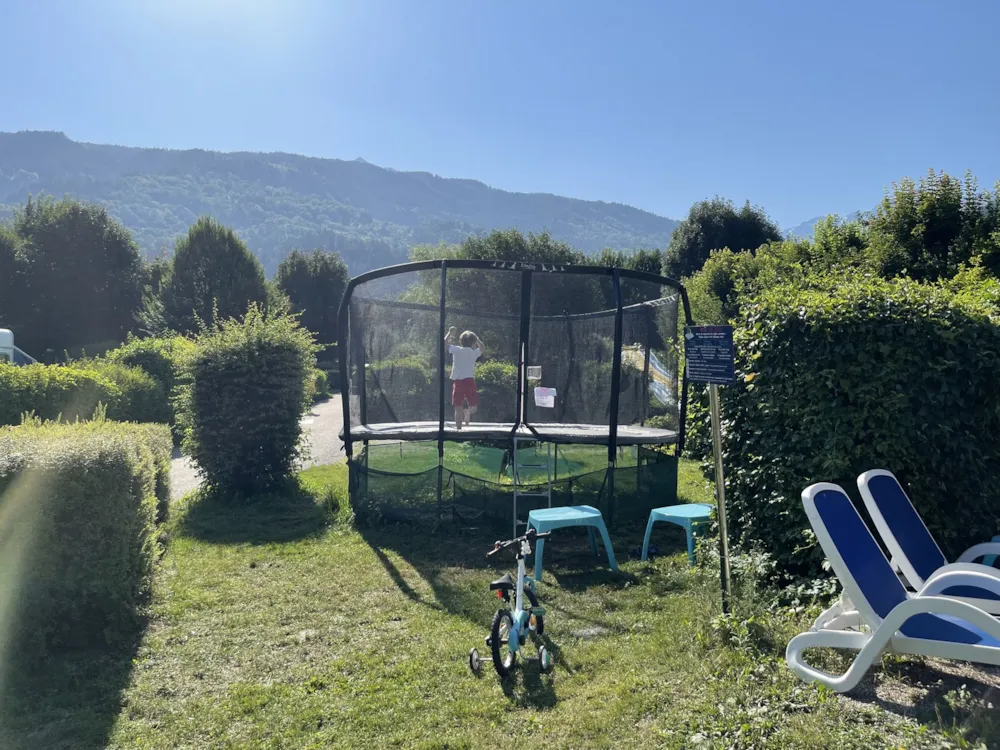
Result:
x=991 y=559
x=688 y=516
x=548 y=519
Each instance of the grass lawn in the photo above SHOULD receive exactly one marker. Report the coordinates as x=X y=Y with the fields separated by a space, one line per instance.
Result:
x=279 y=625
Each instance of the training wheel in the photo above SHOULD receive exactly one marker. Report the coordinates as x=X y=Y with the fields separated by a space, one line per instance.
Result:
x=474 y=661
x=544 y=659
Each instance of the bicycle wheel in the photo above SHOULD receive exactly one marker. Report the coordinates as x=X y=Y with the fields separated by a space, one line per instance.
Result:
x=503 y=657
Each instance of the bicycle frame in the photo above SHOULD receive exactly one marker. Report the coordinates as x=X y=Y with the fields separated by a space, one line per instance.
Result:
x=522 y=620
x=519 y=615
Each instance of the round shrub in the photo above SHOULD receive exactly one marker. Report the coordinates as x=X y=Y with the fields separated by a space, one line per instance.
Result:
x=859 y=373
x=249 y=385
x=320 y=385
x=162 y=358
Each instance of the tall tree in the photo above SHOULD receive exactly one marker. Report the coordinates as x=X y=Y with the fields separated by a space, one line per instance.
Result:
x=81 y=277
x=713 y=225
x=213 y=276
x=11 y=282
x=314 y=283
x=497 y=292
x=927 y=230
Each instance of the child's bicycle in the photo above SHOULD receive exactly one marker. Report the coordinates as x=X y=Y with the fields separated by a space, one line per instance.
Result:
x=511 y=630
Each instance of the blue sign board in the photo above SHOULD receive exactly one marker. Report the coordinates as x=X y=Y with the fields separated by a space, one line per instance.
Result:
x=709 y=354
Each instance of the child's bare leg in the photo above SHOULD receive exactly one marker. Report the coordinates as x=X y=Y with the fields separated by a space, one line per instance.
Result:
x=459 y=413
x=469 y=414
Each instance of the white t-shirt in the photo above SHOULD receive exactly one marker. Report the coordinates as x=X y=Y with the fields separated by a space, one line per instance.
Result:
x=463 y=361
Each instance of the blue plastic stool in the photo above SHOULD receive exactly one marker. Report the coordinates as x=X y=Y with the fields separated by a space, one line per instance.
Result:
x=991 y=559
x=548 y=519
x=688 y=516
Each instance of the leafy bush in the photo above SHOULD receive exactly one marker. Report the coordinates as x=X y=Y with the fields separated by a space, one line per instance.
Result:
x=410 y=380
x=861 y=373
x=141 y=399
x=164 y=360
x=716 y=291
x=248 y=389
x=319 y=387
x=161 y=444
x=81 y=498
x=73 y=392
x=51 y=390
x=497 y=385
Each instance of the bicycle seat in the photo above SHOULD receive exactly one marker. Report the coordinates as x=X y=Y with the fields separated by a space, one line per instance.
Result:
x=502 y=584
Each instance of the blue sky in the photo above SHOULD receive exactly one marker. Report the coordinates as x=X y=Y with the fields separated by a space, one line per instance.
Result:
x=802 y=107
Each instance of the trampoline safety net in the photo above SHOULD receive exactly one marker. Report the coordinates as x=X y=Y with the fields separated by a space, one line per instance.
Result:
x=390 y=482
x=571 y=355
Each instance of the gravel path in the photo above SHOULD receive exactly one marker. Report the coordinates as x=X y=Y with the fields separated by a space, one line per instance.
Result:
x=322 y=425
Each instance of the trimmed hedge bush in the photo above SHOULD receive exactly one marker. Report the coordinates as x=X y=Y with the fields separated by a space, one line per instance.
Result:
x=319 y=386
x=141 y=399
x=856 y=374
x=50 y=391
x=497 y=385
x=81 y=505
x=74 y=391
x=249 y=385
x=164 y=360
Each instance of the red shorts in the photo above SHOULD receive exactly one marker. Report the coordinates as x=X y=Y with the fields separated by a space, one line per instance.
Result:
x=464 y=390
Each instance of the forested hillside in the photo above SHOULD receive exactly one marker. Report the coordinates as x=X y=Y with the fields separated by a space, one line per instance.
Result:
x=276 y=202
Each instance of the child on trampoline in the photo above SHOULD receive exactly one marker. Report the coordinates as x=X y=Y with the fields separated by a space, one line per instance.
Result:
x=463 y=370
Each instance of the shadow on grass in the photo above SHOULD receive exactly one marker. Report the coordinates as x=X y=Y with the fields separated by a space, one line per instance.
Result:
x=974 y=689
x=71 y=700
x=528 y=687
x=437 y=555
x=284 y=515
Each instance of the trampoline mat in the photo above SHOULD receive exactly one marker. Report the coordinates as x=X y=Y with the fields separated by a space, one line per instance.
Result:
x=549 y=431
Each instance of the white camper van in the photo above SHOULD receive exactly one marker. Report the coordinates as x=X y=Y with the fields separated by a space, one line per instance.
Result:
x=6 y=345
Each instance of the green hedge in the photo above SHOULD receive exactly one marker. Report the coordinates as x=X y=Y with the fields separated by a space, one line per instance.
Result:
x=856 y=374
x=52 y=390
x=319 y=385
x=164 y=360
x=141 y=398
x=73 y=391
x=411 y=378
x=496 y=382
x=241 y=410
x=81 y=504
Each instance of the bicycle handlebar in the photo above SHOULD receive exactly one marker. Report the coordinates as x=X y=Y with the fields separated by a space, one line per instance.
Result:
x=527 y=536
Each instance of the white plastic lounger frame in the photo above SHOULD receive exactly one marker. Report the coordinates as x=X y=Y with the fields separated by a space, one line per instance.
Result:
x=912 y=547
x=926 y=624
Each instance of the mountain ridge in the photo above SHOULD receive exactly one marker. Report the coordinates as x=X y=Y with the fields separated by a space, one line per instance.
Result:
x=276 y=200
x=805 y=229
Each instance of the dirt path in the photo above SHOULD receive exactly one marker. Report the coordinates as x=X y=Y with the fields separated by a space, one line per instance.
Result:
x=321 y=424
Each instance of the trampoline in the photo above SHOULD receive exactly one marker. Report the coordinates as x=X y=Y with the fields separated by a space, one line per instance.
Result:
x=573 y=355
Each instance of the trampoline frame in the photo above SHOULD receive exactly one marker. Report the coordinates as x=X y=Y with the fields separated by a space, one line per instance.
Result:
x=521 y=428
